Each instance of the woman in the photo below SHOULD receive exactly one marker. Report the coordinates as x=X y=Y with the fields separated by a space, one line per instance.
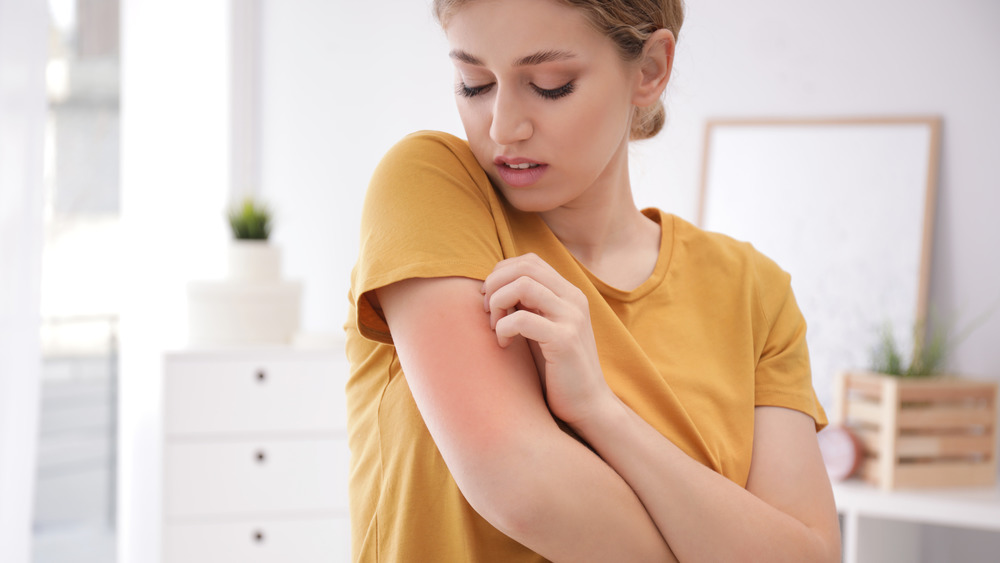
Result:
x=540 y=370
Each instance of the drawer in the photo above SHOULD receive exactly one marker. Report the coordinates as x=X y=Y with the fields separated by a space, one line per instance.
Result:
x=305 y=541
x=205 y=396
x=254 y=478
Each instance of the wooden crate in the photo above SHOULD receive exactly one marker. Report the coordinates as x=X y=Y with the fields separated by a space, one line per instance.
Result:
x=927 y=432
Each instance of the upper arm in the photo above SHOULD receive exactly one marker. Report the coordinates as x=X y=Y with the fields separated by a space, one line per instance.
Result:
x=477 y=399
x=787 y=471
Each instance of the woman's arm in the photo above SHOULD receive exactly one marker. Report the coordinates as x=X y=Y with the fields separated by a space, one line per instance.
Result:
x=484 y=407
x=787 y=511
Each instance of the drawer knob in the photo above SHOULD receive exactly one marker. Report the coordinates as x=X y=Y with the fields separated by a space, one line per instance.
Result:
x=258 y=536
x=261 y=376
x=260 y=456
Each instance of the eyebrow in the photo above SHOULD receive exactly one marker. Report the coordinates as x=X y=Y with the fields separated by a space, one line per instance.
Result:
x=532 y=59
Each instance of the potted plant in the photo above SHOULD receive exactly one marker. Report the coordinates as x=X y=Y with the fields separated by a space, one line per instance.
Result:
x=918 y=426
x=926 y=359
x=251 y=257
x=252 y=305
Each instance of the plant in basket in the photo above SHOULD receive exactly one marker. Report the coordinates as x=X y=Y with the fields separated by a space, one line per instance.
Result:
x=914 y=425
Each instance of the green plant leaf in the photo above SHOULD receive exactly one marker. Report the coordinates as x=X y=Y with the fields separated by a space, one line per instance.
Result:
x=250 y=220
x=929 y=349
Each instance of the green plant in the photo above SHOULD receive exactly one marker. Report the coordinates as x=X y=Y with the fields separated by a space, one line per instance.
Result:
x=929 y=350
x=926 y=359
x=250 y=220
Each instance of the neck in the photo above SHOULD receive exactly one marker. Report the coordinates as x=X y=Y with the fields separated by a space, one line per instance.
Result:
x=589 y=230
x=604 y=230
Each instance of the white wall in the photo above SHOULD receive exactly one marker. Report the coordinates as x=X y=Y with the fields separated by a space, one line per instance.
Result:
x=342 y=81
x=23 y=31
x=174 y=182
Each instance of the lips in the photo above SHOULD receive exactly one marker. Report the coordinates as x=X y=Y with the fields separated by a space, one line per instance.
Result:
x=519 y=172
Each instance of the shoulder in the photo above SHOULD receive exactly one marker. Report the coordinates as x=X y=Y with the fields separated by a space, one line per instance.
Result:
x=432 y=147
x=732 y=267
x=723 y=254
x=424 y=170
x=426 y=163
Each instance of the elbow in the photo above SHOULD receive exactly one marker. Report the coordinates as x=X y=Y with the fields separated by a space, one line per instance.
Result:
x=518 y=516
x=503 y=488
x=827 y=541
x=505 y=499
x=823 y=547
x=833 y=547
x=819 y=545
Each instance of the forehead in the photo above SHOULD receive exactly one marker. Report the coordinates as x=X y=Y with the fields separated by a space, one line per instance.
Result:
x=506 y=32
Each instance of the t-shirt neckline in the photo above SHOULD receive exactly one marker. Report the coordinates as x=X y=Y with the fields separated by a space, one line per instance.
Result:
x=666 y=223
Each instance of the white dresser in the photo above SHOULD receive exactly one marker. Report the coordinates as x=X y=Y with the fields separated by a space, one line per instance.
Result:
x=255 y=456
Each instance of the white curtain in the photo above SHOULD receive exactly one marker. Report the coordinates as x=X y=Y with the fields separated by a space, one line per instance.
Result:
x=23 y=35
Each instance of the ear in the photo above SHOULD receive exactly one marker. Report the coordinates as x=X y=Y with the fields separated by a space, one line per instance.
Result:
x=654 y=67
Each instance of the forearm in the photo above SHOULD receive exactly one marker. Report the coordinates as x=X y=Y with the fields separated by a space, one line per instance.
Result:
x=561 y=500
x=703 y=515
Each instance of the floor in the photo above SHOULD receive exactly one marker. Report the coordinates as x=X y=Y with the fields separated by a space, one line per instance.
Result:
x=79 y=544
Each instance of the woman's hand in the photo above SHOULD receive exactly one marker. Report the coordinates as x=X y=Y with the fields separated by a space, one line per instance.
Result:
x=527 y=297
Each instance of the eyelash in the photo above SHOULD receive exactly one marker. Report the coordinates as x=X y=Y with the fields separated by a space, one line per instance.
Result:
x=553 y=94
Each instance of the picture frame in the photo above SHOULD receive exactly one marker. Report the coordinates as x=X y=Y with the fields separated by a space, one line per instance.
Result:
x=846 y=206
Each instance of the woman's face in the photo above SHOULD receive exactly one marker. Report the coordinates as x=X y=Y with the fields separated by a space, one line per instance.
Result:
x=545 y=99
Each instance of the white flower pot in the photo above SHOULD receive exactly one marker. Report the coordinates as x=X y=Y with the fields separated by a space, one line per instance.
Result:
x=254 y=260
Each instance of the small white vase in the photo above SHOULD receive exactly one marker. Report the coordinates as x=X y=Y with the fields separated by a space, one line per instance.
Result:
x=254 y=260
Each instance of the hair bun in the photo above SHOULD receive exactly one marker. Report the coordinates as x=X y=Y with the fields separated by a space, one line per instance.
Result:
x=648 y=121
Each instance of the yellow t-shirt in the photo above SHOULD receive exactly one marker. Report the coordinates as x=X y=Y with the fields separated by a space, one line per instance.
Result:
x=713 y=333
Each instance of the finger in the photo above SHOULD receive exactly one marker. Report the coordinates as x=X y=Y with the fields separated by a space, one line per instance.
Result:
x=523 y=323
x=530 y=265
x=506 y=270
x=525 y=293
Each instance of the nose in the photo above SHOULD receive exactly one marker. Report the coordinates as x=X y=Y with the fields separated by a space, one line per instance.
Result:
x=510 y=120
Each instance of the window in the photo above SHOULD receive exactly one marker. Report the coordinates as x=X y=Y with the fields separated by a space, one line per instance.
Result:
x=75 y=488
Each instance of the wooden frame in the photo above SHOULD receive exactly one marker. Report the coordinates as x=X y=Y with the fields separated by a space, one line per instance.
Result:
x=857 y=246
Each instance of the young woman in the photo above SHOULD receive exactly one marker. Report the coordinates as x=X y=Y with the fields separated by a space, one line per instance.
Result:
x=540 y=370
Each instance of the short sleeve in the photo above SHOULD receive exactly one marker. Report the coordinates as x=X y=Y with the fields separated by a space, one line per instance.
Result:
x=783 y=376
x=429 y=211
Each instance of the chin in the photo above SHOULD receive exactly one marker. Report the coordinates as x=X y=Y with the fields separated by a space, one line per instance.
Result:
x=527 y=200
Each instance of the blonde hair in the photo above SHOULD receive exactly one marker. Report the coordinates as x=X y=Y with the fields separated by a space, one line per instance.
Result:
x=628 y=23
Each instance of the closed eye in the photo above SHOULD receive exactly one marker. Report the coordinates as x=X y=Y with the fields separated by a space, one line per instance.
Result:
x=549 y=94
x=555 y=93
x=471 y=91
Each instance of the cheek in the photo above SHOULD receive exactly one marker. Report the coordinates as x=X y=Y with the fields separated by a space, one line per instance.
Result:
x=475 y=119
x=607 y=121
x=476 y=122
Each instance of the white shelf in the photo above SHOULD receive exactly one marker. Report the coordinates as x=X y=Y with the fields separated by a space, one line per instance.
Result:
x=974 y=507
x=888 y=525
